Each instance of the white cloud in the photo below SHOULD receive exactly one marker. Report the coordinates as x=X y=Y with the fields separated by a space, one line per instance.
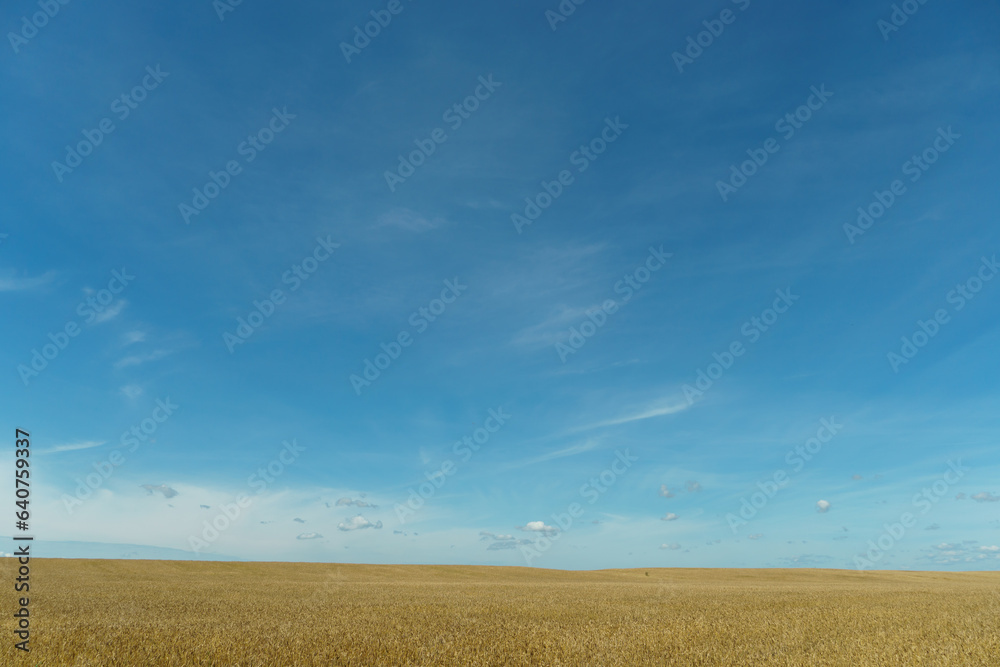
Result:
x=358 y=523
x=538 y=527
x=486 y=535
x=673 y=546
x=985 y=497
x=119 y=513
x=670 y=517
x=665 y=492
x=755 y=536
x=807 y=559
x=947 y=553
x=309 y=536
x=822 y=506
x=693 y=487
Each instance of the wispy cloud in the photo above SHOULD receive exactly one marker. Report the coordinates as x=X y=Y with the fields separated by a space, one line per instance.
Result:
x=74 y=446
x=501 y=542
x=572 y=450
x=13 y=284
x=112 y=311
x=966 y=552
x=137 y=359
x=648 y=413
x=131 y=391
x=347 y=502
x=487 y=535
x=508 y=544
x=133 y=337
x=551 y=330
x=408 y=220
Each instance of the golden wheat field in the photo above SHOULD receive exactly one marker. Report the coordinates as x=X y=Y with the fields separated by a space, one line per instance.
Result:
x=128 y=612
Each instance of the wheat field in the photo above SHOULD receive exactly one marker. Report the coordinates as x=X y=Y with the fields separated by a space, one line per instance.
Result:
x=129 y=612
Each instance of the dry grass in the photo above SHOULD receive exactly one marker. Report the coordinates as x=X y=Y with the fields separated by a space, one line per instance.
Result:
x=92 y=612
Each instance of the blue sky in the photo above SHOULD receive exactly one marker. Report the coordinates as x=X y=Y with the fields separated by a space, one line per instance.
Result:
x=641 y=240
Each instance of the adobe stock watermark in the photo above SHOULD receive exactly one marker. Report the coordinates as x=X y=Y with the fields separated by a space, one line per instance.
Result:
x=901 y=13
x=597 y=317
x=259 y=482
x=591 y=491
x=133 y=438
x=562 y=12
x=92 y=309
x=464 y=449
x=294 y=277
x=796 y=459
x=787 y=125
x=248 y=149
x=915 y=168
x=581 y=158
x=122 y=106
x=959 y=297
x=752 y=330
x=223 y=7
x=420 y=320
x=924 y=500
x=454 y=115
x=381 y=18
x=37 y=21
x=714 y=28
